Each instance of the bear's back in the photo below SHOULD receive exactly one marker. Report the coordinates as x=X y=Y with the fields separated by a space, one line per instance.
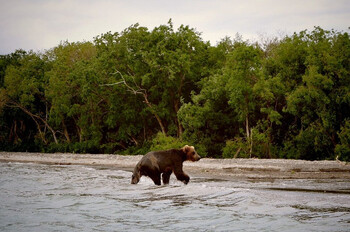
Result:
x=163 y=159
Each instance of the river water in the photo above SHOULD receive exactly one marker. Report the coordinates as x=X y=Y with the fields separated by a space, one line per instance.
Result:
x=35 y=197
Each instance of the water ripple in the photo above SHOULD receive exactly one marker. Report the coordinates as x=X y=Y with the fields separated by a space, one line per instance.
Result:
x=78 y=198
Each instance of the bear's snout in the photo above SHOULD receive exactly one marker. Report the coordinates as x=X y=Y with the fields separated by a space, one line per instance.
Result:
x=197 y=157
x=135 y=179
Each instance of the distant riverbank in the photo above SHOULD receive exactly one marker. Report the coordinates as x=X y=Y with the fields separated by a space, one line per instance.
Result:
x=216 y=168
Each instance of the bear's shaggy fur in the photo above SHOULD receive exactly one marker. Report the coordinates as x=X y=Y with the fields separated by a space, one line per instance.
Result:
x=155 y=163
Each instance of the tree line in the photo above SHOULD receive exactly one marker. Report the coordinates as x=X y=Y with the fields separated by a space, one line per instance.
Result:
x=139 y=89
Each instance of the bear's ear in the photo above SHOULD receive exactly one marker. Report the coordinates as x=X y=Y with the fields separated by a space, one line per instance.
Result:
x=186 y=148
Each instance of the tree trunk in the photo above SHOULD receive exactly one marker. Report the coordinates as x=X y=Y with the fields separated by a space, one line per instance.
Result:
x=65 y=132
x=251 y=143
x=154 y=113
x=35 y=118
x=249 y=136
x=177 y=107
x=247 y=126
x=13 y=133
x=80 y=133
x=134 y=140
x=237 y=152
x=179 y=126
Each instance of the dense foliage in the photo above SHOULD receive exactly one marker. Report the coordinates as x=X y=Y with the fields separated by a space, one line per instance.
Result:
x=143 y=89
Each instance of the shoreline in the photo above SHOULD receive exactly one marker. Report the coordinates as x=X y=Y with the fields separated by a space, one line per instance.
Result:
x=206 y=167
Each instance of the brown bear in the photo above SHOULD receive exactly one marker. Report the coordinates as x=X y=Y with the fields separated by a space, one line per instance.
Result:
x=155 y=163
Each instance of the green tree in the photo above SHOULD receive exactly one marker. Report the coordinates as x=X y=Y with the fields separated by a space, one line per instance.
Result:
x=9 y=131
x=208 y=120
x=144 y=89
x=315 y=102
x=72 y=92
x=225 y=106
x=243 y=70
x=24 y=89
x=160 y=67
x=7 y=60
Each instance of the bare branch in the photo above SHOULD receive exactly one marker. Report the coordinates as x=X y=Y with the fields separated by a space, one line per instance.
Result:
x=136 y=89
x=34 y=116
x=117 y=83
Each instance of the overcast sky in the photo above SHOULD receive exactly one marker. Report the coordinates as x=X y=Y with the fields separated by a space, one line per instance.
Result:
x=41 y=24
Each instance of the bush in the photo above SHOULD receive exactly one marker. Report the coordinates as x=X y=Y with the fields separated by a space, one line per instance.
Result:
x=79 y=147
x=136 y=150
x=163 y=142
x=342 y=150
x=237 y=148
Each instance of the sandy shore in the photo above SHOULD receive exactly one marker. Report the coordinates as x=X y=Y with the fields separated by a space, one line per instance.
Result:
x=216 y=168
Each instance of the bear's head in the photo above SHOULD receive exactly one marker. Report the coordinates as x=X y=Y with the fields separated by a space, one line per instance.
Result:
x=135 y=178
x=191 y=153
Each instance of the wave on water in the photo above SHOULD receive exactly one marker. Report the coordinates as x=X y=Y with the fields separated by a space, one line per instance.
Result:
x=74 y=198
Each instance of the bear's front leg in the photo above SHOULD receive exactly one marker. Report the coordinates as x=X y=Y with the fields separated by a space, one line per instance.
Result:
x=181 y=176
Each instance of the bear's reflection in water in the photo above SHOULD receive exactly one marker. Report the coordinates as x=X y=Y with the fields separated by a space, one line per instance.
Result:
x=79 y=198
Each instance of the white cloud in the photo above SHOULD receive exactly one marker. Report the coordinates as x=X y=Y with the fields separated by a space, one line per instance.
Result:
x=42 y=24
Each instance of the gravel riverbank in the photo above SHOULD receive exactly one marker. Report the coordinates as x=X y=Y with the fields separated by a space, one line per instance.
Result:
x=216 y=168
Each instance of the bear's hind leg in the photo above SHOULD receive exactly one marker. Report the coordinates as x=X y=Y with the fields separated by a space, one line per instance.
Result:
x=166 y=177
x=156 y=178
x=154 y=175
